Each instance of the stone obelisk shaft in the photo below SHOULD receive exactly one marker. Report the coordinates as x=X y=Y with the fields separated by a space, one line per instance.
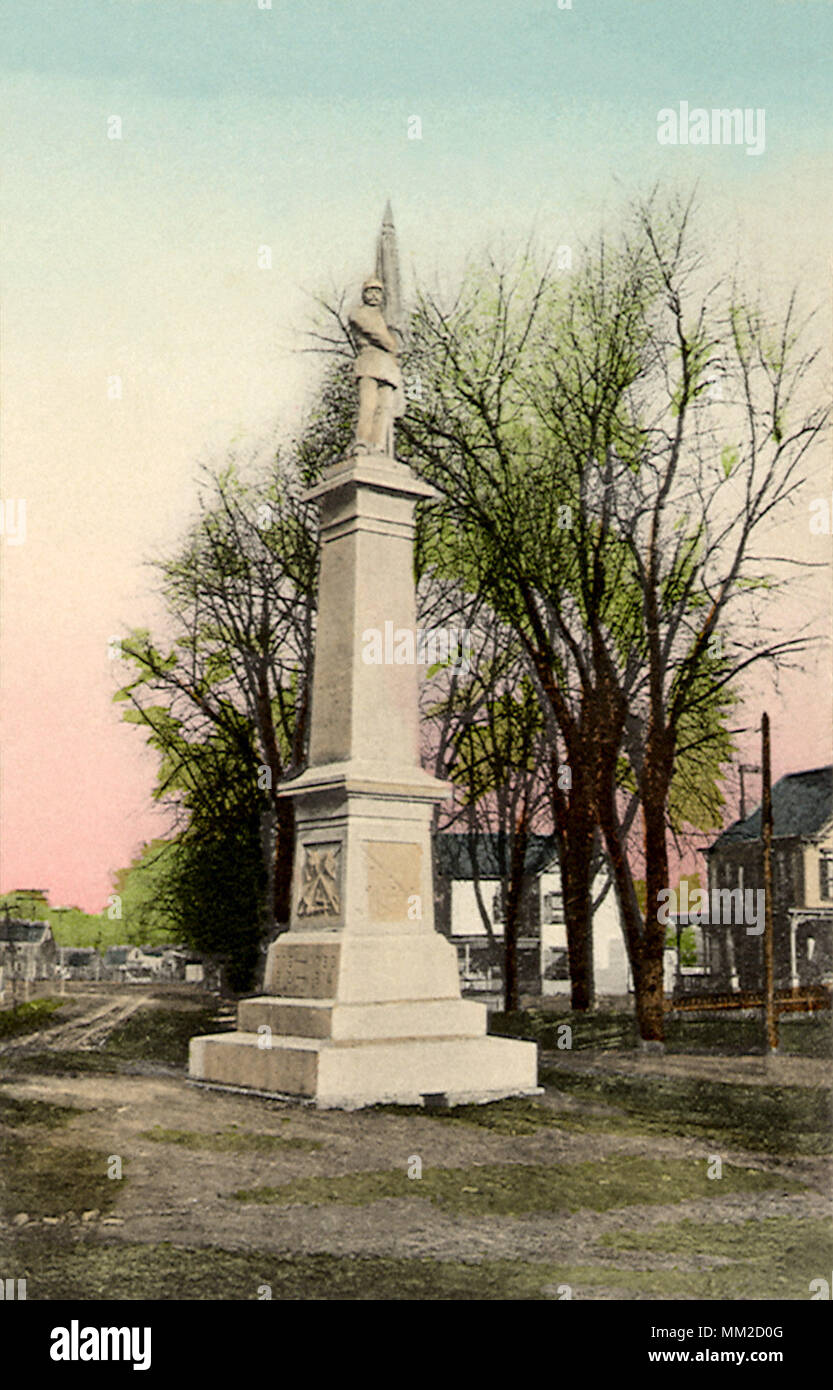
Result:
x=361 y=998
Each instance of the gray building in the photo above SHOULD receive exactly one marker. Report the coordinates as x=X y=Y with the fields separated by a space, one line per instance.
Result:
x=27 y=950
x=802 y=874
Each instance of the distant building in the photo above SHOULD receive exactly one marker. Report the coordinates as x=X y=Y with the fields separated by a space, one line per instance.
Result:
x=134 y=964
x=543 y=966
x=802 y=874
x=27 y=950
x=79 y=963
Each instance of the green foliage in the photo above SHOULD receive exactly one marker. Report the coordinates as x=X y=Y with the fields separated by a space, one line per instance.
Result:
x=71 y=926
x=233 y=1140
x=214 y=884
x=28 y=1017
x=704 y=745
x=141 y=889
x=517 y=1189
x=224 y=705
x=688 y=944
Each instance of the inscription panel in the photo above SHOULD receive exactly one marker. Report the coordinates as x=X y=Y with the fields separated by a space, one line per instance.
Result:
x=307 y=972
x=394 y=874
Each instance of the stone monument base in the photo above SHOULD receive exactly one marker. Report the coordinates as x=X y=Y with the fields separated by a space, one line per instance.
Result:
x=353 y=1048
x=349 y=1075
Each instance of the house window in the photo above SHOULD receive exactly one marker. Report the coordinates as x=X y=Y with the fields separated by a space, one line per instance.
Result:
x=552 y=908
x=826 y=873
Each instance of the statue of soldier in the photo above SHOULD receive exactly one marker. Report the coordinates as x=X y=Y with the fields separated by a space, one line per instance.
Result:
x=377 y=372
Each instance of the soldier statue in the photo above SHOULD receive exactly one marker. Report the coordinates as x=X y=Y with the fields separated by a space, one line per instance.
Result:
x=377 y=372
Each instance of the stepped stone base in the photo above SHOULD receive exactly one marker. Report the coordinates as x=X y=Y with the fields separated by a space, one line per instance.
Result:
x=355 y=1019
x=351 y=1074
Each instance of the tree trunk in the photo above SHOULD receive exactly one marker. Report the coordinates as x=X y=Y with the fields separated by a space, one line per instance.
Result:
x=578 y=917
x=648 y=978
x=650 y=1012
x=574 y=828
x=284 y=860
x=513 y=912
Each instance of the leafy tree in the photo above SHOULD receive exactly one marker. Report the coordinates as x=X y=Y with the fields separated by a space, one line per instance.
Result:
x=139 y=897
x=226 y=704
x=569 y=428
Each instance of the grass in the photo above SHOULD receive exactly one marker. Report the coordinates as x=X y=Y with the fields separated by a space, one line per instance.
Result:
x=45 y=1178
x=58 y=1063
x=597 y=1030
x=726 y=1034
x=517 y=1189
x=16 y=1113
x=517 y=1116
x=231 y=1140
x=158 y=1035
x=116 y=1270
x=29 y=1017
x=780 y=1120
x=766 y=1240
x=163 y=1271
x=514 y=1116
x=793 y=1120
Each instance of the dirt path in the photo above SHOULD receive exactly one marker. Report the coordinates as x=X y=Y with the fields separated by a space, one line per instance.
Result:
x=87 y=1030
x=185 y=1195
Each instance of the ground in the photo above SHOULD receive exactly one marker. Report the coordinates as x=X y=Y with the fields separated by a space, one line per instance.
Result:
x=604 y=1187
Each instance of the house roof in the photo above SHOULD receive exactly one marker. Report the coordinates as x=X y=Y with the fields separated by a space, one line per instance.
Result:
x=79 y=957
x=802 y=803
x=116 y=955
x=453 y=855
x=20 y=932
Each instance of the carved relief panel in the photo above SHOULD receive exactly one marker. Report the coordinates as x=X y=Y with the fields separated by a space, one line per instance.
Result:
x=319 y=889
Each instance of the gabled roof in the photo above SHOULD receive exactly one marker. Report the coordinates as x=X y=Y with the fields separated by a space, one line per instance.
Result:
x=20 y=933
x=453 y=855
x=802 y=803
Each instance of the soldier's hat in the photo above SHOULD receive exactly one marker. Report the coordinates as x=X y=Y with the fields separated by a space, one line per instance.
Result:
x=373 y=283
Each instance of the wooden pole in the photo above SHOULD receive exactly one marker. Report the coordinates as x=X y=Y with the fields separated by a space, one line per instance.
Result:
x=770 y=1018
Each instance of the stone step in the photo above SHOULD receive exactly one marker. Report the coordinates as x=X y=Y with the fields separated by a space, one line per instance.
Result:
x=328 y=1018
x=349 y=1075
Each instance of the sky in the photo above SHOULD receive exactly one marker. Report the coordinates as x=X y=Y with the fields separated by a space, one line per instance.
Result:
x=141 y=332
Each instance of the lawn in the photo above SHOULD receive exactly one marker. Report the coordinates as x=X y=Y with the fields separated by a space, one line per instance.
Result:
x=599 y=1189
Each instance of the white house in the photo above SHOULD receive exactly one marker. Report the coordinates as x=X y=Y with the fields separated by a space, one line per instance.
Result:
x=611 y=968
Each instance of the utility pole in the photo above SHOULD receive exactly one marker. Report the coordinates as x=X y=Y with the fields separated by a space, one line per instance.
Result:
x=770 y=1018
x=745 y=767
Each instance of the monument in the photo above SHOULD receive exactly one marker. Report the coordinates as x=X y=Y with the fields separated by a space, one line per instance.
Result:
x=361 y=999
